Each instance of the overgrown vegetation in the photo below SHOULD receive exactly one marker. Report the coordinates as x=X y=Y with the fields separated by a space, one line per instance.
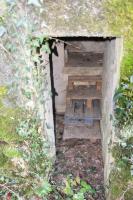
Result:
x=124 y=103
x=24 y=161
x=77 y=189
x=121 y=177
x=120 y=20
x=25 y=150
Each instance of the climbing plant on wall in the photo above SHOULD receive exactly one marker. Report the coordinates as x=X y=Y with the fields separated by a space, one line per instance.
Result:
x=25 y=150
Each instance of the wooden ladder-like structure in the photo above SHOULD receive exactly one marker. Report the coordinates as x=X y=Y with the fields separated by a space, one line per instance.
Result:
x=83 y=110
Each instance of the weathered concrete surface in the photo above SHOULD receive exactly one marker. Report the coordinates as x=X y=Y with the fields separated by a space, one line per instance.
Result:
x=74 y=18
x=5 y=71
x=48 y=110
x=112 y=59
x=60 y=79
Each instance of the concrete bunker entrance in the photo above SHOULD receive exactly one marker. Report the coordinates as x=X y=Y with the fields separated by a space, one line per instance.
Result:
x=78 y=80
x=85 y=74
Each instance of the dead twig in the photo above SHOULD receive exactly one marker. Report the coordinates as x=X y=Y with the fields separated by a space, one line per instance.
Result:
x=68 y=43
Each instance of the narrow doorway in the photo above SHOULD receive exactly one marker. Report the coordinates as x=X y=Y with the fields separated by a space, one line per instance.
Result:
x=79 y=76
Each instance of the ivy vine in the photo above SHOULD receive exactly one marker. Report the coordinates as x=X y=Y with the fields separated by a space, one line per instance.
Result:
x=25 y=148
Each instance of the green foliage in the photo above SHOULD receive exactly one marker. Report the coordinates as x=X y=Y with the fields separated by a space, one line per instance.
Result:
x=30 y=160
x=121 y=176
x=38 y=150
x=25 y=150
x=77 y=189
x=124 y=103
x=11 y=152
x=3 y=159
x=127 y=64
x=120 y=20
x=8 y=132
x=8 y=136
x=3 y=91
x=44 y=189
x=46 y=48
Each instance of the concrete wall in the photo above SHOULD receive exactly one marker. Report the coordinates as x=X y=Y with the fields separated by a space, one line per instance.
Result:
x=73 y=18
x=48 y=109
x=45 y=112
x=5 y=69
x=60 y=80
x=112 y=58
x=87 y=46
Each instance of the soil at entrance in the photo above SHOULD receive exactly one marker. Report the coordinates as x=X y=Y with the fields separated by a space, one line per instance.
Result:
x=81 y=158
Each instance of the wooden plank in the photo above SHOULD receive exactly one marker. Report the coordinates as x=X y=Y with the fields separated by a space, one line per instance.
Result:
x=85 y=78
x=82 y=132
x=89 y=103
x=80 y=59
x=84 y=93
x=84 y=81
x=70 y=85
x=98 y=85
x=90 y=71
x=78 y=122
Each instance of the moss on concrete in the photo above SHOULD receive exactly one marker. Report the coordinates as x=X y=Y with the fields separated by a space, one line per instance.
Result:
x=8 y=135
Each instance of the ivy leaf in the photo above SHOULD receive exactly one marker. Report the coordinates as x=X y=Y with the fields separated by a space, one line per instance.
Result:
x=34 y=3
x=2 y=31
x=44 y=190
x=68 y=189
x=87 y=187
x=46 y=48
x=35 y=59
x=41 y=38
x=35 y=43
x=78 y=196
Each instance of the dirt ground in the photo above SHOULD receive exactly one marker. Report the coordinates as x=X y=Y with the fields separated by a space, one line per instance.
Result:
x=79 y=158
